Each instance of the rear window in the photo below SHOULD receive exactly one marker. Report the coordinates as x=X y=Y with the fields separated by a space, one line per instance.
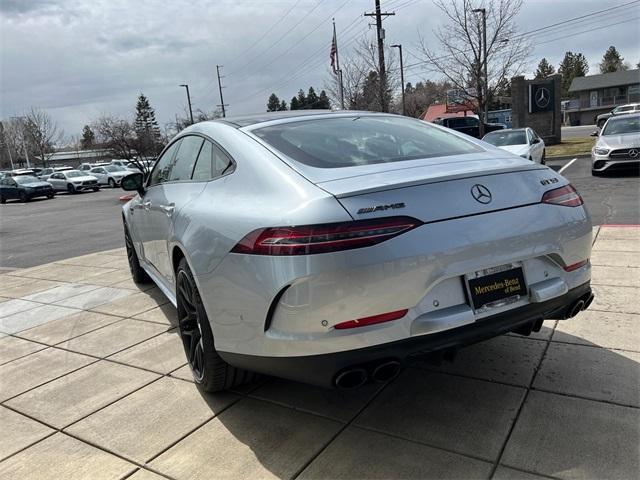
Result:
x=361 y=140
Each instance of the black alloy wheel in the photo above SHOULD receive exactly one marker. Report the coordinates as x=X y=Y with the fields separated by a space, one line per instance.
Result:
x=190 y=325
x=71 y=188
x=137 y=272
x=209 y=370
x=112 y=183
x=24 y=197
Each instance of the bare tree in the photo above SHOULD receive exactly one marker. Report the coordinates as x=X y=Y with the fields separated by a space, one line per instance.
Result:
x=43 y=133
x=16 y=141
x=361 y=76
x=459 y=57
x=119 y=136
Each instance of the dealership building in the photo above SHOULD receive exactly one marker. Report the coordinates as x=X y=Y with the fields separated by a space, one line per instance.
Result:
x=596 y=94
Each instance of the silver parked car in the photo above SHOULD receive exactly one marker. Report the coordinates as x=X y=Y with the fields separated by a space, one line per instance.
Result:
x=618 y=144
x=333 y=248
x=73 y=181
x=523 y=142
x=110 y=175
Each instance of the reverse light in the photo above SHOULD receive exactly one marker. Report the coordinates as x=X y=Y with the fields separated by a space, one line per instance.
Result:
x=575 y=266
x=363 y=322
x=566 y=196
x=323 y=238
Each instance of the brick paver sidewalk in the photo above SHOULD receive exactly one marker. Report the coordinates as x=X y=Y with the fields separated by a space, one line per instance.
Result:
x=93 y=384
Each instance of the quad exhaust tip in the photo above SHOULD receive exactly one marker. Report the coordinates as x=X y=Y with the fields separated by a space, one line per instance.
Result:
x=352 y=378
x=386 y=371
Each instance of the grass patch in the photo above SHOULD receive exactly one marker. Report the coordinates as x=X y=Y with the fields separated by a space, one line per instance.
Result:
x=571 y=147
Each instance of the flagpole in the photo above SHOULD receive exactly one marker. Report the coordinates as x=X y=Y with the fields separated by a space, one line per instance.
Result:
x=341 y=87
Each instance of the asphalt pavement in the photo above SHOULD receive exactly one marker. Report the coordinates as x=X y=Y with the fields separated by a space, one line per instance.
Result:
x=43 y=231
x=580 y=131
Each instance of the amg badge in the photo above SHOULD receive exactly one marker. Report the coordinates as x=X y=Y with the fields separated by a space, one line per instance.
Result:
x=379 y=208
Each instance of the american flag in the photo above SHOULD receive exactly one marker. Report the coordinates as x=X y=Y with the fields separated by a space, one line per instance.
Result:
x=334 y=52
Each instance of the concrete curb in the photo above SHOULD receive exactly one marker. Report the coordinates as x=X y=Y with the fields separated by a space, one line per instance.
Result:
x=569 y=157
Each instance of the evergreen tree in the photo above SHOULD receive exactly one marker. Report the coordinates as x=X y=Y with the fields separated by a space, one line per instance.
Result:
x=146 y=128
x=88 y=138
x=294 y=104
x=273 y=103
x=573 y=65
x=302 y=100
x=283 y=106
x=312 y=99
x=323 y=101
x=612 y=61
x=545 y=69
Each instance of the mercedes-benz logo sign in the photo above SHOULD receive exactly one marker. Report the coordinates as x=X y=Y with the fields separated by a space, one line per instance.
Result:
x=542 y=97
x=633 y=153
x=481 y=193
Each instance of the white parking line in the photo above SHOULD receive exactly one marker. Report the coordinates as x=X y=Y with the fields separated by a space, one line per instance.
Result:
x=567 y=165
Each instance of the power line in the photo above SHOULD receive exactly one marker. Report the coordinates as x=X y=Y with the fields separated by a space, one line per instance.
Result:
x=277 y=41
x=268 y=31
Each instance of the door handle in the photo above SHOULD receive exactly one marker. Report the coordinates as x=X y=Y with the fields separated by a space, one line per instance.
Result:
x=168 y=209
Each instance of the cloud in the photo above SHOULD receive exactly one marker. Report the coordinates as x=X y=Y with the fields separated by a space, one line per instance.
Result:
x=81 y=58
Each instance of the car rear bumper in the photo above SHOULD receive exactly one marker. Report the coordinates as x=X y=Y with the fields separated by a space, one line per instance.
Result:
x=323 y=369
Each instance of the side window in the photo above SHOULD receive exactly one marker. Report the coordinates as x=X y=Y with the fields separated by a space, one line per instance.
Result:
x=162 y=169
x=186 y=158
x=212 y=162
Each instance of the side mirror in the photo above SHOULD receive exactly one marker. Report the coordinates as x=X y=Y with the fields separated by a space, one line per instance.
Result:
x=535 y=140
x=594 y=134
x=134 y=182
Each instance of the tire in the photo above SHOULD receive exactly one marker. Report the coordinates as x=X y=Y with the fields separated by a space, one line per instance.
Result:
x=112 y=183
x=50 y=196
x=596 y=174
x=3 y=200
x=543 y=160
x=96 y=189
x=137 y=272
x=71 y=189
x=209 y=370
x=23 y=197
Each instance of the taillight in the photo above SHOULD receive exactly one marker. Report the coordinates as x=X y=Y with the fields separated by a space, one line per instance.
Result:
x=567 y=196
x=575 y=266
x=362 y=322
x=323 y=238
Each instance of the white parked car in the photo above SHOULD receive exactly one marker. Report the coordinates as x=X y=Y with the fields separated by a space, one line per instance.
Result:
x=618 y=145
x=46 y=173
x=128 y=164
x=109 y=174
x=524 y=142
x=85 y=167
x=73 y=181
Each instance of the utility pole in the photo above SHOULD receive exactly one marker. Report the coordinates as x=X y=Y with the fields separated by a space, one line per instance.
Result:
x=381 y=66
x=485 y=93
x=189 y=102
x=399 y=47
x=222 y=104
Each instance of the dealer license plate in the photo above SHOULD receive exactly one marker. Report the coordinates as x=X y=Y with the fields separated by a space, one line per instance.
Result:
x=497 y=286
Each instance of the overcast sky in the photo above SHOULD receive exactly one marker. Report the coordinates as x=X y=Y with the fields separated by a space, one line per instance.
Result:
x=78 y=59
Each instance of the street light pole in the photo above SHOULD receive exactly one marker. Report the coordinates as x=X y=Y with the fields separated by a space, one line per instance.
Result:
x=188 y=101
x=399 y=47
x=484 y=63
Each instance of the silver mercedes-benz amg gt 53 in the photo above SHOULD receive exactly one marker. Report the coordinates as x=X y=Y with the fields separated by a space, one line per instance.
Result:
x=335 y=247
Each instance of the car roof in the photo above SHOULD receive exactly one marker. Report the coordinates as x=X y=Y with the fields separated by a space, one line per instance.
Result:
x=247 y=120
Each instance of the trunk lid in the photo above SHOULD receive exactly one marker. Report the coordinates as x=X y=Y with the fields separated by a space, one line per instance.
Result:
x=445 y=190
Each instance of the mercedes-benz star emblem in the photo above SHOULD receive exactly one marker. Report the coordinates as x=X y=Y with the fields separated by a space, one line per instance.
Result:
x=481 y=193
x=633 y=153
x=542 y=97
